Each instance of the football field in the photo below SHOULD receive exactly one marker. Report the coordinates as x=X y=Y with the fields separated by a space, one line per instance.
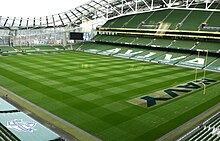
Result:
x=92 y=92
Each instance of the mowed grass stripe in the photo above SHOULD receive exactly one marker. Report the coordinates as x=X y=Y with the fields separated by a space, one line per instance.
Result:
x=94 y=98
x=90 y=89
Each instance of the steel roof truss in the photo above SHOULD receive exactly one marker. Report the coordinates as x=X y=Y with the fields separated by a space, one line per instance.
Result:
x=13 y=22
x=78 y=11
x=53 y=21
x=61 y=19
x=85 y=9
x=47 y=20
x=6 y=21
x=73 y=13
x=68 y=17
x=129 y=5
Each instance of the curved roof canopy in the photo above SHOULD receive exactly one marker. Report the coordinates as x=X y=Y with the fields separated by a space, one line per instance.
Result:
x=89 y=11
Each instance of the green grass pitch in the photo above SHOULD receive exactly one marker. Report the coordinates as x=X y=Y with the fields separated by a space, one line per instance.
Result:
x=90 y=91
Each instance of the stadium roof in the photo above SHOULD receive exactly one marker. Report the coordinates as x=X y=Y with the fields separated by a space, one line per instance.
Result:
x=5 y=106
x=91 y=10
x=26 y=128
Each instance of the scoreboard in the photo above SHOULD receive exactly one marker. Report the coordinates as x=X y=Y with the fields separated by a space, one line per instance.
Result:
x=79 y=36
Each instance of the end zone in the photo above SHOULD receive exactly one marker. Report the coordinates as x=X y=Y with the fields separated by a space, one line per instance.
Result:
x=163 y=96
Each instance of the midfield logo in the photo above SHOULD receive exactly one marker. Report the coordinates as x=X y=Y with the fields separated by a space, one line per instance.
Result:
x=163 y=96
x=21 y=126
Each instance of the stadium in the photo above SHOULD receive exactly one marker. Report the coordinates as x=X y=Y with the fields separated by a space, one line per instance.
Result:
x=112 y=70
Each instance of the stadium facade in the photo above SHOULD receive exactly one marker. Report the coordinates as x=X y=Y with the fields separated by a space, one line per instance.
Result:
x=52 y=29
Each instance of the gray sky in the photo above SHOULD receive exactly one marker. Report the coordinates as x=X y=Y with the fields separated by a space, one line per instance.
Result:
x=37 y=8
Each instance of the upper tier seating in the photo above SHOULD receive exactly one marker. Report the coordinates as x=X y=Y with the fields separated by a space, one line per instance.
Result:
x=173 y=19
x=184 y=29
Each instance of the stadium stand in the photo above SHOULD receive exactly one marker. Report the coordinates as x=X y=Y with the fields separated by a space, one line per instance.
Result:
x=184 y=44
x=187 y=62
x=154 y=54
x=49 y=48
x=6 y=135
x=215 y=65
x=24 y=49
x=162 y=42
x=177 y=31
x=6 y=49
x=143 y=41
x=17 y=126
x=209 y=130
x=187 y=24
x=174 y=18
x=38 y=48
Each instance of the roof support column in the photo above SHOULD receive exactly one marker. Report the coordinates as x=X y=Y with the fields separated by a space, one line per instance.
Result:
x=169 y=3
x=136 y=5
x=64 y=39
x=152 y=5
x=122 y=7
x=107 y=11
